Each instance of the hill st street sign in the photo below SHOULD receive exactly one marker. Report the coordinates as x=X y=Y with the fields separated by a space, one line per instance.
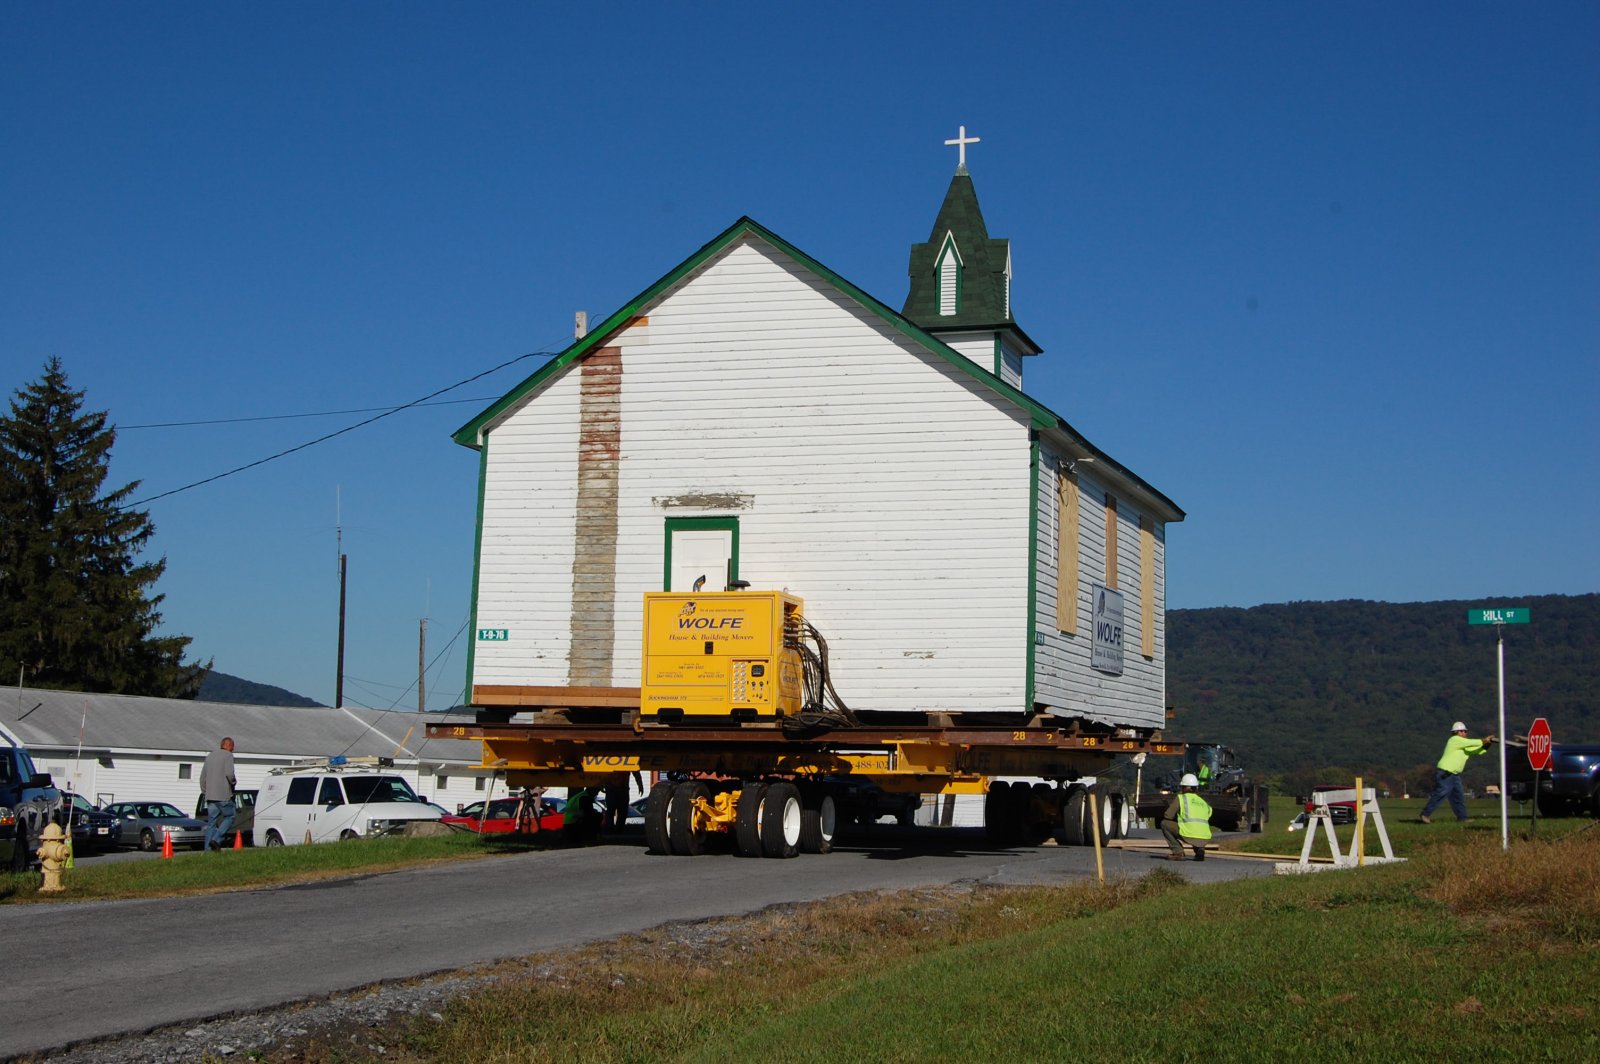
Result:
x=1515 y=615
x=1539 y=744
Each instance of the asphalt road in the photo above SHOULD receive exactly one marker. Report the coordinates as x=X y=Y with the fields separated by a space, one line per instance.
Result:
x=96 y=969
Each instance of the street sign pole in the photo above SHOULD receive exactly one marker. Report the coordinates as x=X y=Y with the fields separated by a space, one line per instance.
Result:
x=1500 y=618
x=1500 y=663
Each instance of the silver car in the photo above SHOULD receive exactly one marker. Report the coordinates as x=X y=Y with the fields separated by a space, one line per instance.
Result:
x=143 y=823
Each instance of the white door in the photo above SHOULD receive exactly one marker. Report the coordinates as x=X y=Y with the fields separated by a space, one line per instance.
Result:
x=701 y=552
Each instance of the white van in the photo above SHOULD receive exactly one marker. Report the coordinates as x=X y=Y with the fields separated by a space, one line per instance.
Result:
x=326 y=802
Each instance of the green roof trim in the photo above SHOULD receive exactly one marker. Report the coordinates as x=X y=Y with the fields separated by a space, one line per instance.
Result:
x=1040 y=417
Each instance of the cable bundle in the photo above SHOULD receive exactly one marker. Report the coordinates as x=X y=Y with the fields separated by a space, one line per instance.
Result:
x=821 y=707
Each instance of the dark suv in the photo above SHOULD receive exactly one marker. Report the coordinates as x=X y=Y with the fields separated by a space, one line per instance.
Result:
x=1569 y=785
x=92 y=829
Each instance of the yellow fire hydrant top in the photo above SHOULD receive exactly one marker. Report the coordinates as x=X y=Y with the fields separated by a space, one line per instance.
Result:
x=52 y=854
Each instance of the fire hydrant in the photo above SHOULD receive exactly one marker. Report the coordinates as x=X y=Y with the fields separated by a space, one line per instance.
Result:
x=52 y=854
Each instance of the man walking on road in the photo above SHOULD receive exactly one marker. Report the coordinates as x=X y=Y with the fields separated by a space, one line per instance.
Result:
x=216 y=786
x=1447 y=776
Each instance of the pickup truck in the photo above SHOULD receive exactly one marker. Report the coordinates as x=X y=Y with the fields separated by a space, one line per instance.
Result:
x=28 y=801
x=1569 y=785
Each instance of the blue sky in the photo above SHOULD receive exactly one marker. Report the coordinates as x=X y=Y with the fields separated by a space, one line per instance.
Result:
x=1326 y=275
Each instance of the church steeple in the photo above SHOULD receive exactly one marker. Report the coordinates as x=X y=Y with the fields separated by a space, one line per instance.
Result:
x=961 y=279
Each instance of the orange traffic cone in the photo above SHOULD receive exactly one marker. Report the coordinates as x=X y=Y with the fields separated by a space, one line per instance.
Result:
x=238 y=840
x=166 y=844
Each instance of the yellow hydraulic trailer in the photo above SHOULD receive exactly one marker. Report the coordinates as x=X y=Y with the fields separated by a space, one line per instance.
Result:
x=738 y=718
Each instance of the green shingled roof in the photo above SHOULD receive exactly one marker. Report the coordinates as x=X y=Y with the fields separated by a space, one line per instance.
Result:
x=983 y=287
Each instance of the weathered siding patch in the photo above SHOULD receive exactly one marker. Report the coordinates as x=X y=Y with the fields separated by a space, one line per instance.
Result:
x=706 y=500
x=593 y=619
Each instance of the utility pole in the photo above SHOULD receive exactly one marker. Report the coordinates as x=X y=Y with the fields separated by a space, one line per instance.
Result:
x=422 y=667
x=338 y=683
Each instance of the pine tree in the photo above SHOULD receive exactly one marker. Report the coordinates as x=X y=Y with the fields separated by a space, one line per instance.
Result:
x=75 y=612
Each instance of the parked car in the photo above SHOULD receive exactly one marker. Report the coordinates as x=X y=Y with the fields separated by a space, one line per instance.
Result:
x=244 y=816
x=142 y=824
x=1569 y=785
x=92 y=829
x=500 y=816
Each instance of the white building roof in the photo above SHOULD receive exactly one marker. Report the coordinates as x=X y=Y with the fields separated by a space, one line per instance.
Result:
x=125 y=724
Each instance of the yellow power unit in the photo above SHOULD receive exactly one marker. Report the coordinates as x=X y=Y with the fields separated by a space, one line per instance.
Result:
x=721 y=654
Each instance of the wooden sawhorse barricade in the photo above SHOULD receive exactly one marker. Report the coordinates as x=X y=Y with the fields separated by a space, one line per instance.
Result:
x=1366 y=803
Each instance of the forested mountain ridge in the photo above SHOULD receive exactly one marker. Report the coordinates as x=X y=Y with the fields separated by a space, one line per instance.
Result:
x=1375 y=686
x=220 y=687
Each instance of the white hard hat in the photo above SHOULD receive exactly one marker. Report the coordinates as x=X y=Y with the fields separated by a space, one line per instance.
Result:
x=1188 y=780
x=1458 y=726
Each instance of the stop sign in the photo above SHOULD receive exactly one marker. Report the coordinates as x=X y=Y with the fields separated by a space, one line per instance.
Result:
x=1539 y=744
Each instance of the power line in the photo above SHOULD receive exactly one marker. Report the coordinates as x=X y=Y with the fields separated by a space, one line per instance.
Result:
x=290 y=417
x=331 y=435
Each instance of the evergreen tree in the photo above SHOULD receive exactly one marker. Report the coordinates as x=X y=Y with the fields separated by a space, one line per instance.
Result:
x=74 y=607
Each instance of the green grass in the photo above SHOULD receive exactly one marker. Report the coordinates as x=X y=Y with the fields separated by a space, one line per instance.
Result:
x=1407 y=835
x=198 y=873
x=1463 y=953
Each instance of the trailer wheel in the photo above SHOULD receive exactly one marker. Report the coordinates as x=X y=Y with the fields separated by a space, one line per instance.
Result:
x=657 y=808
x=747 y=827
x=1073 y=816
x=995 y=805
x=1107 y=816
x=687 y=838
x=1018 y=801
x=1122 y=822
x=780 y=820
x=1036 y=822
x=817 y=825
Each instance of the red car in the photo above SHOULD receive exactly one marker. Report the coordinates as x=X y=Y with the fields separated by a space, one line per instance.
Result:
x=510 y=815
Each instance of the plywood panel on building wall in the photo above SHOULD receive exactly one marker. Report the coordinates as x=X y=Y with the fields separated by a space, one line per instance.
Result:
x=1064 y=678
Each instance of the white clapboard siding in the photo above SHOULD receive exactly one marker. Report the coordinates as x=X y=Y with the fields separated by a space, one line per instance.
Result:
x=1064 y=678
x=879 y=483
x=525 y=565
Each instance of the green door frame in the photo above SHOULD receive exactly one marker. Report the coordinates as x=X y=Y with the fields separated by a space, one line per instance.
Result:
x=720 y=524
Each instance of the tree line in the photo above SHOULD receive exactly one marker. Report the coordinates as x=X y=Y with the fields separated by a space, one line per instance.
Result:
x=1307 y=690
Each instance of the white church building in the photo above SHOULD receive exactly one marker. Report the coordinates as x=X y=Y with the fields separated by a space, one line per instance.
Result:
x=754 y=416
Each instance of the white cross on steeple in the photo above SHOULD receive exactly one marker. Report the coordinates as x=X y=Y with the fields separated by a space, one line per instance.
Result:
x=961 y=142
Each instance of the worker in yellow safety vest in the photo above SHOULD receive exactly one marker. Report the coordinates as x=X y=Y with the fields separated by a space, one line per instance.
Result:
x=1447 y=775
x=1187 y=820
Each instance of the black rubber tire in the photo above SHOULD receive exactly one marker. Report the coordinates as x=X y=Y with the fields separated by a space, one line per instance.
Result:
x=1074 y=816
x=686 y=839
x=747 y=825
x=274 y=839
x=780 y=821
x=1036 y=821
x=1103 y=802
x=147 y=841
x=1115 y=806
x=995 y=803
x=1019 y=802
x=817 y=825
x=656 y=808
x=349 y=836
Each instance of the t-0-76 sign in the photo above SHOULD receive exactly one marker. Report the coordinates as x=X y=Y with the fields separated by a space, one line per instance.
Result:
x=1539 y=744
